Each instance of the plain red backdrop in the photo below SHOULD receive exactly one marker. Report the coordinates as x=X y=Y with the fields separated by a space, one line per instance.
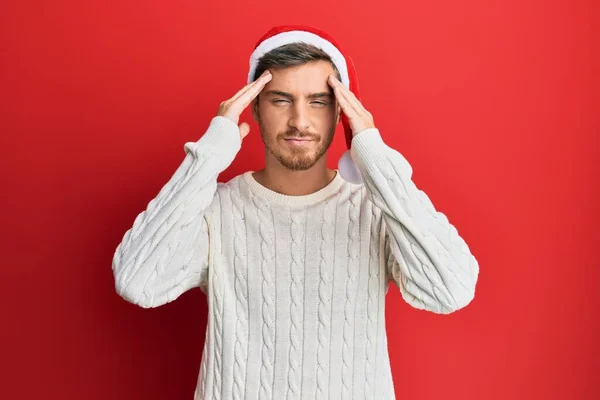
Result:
x=492 y=102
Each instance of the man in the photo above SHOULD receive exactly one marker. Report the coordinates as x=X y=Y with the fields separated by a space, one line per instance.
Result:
x=295 y=260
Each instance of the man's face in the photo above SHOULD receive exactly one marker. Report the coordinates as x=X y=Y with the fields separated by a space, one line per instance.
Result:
x=297 y=114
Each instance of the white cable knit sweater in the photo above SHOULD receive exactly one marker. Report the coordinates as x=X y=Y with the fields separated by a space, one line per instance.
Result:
x=296 y=285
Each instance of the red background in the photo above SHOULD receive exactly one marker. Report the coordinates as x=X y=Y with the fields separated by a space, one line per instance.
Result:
x=494 y=103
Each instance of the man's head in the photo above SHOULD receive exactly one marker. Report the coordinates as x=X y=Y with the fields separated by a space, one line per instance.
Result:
x=297 y=103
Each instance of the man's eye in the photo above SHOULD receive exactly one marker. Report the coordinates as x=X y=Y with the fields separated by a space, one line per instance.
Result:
x=280 y=101
x=320 y=103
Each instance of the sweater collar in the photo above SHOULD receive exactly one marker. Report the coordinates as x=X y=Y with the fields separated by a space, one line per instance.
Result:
x=271 y=196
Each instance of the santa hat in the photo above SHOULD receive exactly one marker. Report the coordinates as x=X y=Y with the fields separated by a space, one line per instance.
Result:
x=282 y=35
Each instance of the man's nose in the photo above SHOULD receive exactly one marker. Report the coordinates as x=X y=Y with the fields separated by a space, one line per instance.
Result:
x=299 y=118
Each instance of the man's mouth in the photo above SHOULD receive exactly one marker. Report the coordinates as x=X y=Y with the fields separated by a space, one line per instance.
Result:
x=298 y=140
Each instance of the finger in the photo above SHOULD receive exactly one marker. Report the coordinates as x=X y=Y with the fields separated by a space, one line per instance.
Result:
x=244 y=130
x=343 y=98
x=344 y=103
x=350 y=96
x=263 y=78
x=246 y=98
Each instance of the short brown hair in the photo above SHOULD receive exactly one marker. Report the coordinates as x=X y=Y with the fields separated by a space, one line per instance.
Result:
x=290 y=55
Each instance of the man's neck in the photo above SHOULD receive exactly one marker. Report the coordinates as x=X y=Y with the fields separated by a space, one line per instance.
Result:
x=295 y=183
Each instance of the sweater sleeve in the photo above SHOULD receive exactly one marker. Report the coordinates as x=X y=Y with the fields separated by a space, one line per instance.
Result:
x=425 y=256
x=165 y=252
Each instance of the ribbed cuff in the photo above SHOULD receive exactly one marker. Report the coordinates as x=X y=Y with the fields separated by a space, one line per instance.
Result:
x=371 y=153
x=368 y=147
x=222 y=134
x=221 y=142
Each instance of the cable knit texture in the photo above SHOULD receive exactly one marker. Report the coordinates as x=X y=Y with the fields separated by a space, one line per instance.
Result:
x=295 y=285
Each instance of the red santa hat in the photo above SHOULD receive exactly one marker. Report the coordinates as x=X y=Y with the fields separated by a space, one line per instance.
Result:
x=282 y=35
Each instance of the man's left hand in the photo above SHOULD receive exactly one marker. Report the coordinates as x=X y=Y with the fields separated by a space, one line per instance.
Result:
x=359 y=118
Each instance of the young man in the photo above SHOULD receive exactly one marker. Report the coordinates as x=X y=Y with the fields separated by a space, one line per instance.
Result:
x=294 y=259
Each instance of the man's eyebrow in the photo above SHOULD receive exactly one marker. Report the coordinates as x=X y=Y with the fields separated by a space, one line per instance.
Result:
x=291 y=96
x=320 y=95
x=279 y=93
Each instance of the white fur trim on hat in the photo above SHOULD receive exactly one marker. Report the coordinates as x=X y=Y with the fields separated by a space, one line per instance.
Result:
x=300 y=36
x=349 y=169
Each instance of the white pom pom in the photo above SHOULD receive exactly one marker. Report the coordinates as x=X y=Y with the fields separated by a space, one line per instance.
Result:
x=348 y=169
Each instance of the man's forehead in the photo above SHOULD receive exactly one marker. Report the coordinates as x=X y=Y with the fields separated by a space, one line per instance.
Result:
x=299 y=82
x=313 y=71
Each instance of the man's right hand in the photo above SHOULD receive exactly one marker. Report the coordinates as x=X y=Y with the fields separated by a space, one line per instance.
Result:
x=234 y=107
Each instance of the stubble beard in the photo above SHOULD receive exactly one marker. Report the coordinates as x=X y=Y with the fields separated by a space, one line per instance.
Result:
x=296 y=159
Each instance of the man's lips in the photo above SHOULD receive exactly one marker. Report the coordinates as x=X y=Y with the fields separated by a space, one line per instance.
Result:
x=298 y=141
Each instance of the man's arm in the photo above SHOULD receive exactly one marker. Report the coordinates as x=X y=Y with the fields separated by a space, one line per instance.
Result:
x=426 y=258
x=165 y=252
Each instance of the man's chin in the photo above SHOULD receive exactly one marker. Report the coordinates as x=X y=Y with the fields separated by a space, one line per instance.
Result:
x=298 y=159
x=298 y=165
